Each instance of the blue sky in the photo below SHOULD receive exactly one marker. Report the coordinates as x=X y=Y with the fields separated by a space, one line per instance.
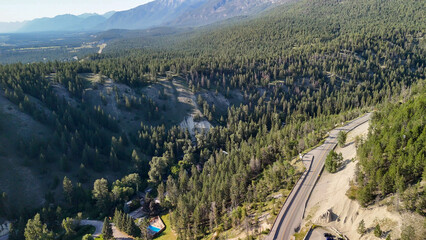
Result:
x=20 y=10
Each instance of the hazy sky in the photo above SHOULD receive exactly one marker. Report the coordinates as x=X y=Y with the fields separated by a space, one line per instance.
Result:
x=19 y=10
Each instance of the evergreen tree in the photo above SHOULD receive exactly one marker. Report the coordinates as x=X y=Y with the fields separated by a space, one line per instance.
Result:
x=341 y=138
x=107 y=233
x=3 y=199
x=69 y=226
x=36 y=230
x=377 y=231
x=361 y=227
x=161 y=191
x=101 y=194
x=68 y=189
x=125 y=223
x=333 y=161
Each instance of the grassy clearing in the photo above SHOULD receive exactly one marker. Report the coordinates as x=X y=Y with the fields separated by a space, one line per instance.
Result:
x=168 y=233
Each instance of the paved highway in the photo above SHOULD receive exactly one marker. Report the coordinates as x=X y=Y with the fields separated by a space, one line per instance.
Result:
x=290 y=217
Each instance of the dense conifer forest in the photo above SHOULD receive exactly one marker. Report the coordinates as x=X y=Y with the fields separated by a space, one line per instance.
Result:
x=392 y=159
x=300 y=70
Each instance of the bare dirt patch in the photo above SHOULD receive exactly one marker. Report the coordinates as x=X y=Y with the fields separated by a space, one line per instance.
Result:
x=101 y=47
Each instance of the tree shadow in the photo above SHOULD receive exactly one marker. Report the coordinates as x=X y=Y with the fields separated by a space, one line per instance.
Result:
x=334 y=217
x=370 y=230
x=344 y=164
x=386 y=233
x=347 y=145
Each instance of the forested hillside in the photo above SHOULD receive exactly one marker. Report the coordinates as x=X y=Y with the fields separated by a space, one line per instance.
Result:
x=289 y=77
x=392 y=159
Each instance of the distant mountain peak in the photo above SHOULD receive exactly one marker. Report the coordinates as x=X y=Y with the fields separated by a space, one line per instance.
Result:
x=153 y=14
x=86 y=15
x=65 y=23
x=185 y=12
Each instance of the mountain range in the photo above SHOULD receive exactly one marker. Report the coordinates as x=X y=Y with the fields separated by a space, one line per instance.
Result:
x=65 y=22
x=157 y=13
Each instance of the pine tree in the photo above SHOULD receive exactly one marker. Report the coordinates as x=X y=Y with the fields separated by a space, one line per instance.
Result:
x=377 y=231
x=3 y=198
x=122 y=220
x=160 y=191
x=341 y=138
x=107 y=230
x=36 y=230
x=333 y=161
x=68 y=189
x=128 y=224
x=361 y=227
x=101 y=194
x=69 y=224
x=116 y=216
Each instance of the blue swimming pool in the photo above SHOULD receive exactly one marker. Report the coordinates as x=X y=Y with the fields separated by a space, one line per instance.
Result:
x=154 y=229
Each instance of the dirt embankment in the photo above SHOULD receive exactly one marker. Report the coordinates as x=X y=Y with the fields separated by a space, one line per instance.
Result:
x=330 y=193
x=101 y=47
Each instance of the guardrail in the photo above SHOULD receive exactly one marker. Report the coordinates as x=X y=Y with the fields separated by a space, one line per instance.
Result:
x=317 y=178
x=315 y=183
x=322 y=168
x=307 y=234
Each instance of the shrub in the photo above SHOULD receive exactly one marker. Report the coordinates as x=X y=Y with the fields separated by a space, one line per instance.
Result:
x=408 y=233
x=333 y=161
x=341 y=138
x=377 y=231
x=87 y=237
x=361 y=227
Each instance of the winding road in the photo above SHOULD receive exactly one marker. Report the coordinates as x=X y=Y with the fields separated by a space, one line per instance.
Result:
x=290 y=217
x=97 y=224
x=98 y=230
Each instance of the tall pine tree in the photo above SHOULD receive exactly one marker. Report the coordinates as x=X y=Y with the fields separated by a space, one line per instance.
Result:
x=107 y=230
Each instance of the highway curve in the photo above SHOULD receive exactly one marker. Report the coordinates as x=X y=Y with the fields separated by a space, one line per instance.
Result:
x=290 y=216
